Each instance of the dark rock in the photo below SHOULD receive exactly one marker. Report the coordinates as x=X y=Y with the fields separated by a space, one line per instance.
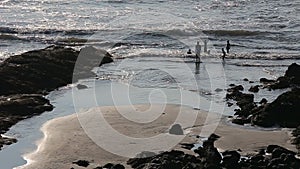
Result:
x=218 y=90
x=118 y=166
x=188 y=146
x=296 y=139
x=263 y=101
x=256 y=158
x=284 y=111
x=176 y=129
x=274 y=163
x=251 y=81
x=167 y=160
x=108 y=165
x=254 y=89
x=229 y=104
x=241 y=120
x=208 y=151
x=236 y=88
x=293 y=70
x=231 y=159
x=6 y=141
x=246 y=80
x=35 y=72
x=265 y=80
x=14 y=108
x=25 y=78
x=82 y=163
x=278 y=150
x=290 y=79
x=99 y=167
x=80 y=86
x=232 y=85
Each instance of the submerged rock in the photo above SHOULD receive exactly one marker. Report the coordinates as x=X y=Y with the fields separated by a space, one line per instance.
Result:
x=80 y=86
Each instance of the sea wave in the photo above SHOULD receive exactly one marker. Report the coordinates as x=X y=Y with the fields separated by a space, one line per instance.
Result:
x=233 y=32
x=10 y=37
x=264 y=56
x=47 y=31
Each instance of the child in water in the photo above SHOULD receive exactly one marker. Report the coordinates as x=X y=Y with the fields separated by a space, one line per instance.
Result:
x=228 y=46
x=224 y=53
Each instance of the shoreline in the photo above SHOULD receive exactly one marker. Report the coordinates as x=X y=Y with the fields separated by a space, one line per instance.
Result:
x=54 y=143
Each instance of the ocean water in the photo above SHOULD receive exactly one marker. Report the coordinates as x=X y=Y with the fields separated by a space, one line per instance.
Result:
x=267 y=29
x=149 y=40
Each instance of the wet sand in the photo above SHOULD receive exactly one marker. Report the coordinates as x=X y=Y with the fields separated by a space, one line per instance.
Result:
x=67 y=138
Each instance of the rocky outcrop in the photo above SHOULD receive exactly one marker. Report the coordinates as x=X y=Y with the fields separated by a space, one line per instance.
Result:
x=284 y=111
x=254 y=89
x=296 y=139
x=290 y=79
x=82 y=163
x=44 y=70
x=208 y=157
x=28 y=77
x=243 y=100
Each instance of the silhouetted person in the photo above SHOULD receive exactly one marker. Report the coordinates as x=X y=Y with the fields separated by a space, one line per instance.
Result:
x=189 y=52
x=198 y=51
x=228 y=46
x=224 y=53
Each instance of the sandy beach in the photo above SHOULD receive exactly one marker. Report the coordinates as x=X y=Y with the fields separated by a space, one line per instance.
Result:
x=66 y=138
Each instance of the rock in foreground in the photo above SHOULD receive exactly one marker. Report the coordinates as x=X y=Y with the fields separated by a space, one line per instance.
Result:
x=208 y=157
x=28 y=77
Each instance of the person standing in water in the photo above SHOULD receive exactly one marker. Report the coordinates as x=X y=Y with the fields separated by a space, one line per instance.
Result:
x=198 y=51
x=228 y=46
x=189 y=52
x=224 y=53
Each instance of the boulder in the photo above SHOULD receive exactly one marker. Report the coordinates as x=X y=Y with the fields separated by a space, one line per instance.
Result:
x=231 y=159
x=82 y=163
x=291 y=78
x=254 y=89
x=41 y=71
x=81 y=86
x=176 y=129
x=283 y=111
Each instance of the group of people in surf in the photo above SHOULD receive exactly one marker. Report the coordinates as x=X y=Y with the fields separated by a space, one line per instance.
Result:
x=198 y=50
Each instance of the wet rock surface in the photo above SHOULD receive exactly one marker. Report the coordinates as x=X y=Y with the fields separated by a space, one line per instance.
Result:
x=28 y=77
